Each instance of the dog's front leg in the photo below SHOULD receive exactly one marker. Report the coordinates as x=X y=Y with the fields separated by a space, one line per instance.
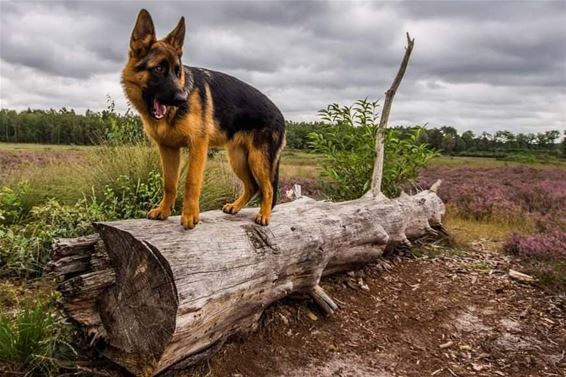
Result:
x=198 y=152
x=170 y=158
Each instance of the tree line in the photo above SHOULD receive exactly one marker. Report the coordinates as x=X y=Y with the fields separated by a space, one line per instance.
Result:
x=448 y=140
x=65 y=126
x=68 y=127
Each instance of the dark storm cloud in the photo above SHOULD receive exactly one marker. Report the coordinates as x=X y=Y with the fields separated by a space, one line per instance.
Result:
x=476 y=64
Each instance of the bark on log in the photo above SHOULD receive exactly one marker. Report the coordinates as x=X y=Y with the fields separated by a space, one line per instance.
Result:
x=158 y=295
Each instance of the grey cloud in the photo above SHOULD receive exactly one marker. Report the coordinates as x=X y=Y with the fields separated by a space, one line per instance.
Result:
x=475 y=64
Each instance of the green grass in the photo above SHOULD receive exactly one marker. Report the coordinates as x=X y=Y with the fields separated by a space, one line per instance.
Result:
x=296 y=163
x=33 y=341
x=101 y=167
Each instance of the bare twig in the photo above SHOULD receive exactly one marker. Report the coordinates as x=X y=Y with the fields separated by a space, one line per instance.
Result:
x=435 y=186
x=323 y=300
x=380 y=135
x=519 y=276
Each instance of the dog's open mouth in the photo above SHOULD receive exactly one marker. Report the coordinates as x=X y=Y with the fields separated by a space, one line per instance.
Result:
x=158 y=110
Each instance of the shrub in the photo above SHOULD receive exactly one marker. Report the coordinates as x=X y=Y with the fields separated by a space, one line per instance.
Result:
x=512 y=195
x=25 y=244
x=547 y=245
x=543 y=255
x=34 y=340
x=24 y=248
x=525 y=199
x=129 y=197
x=297 y=133
x=404 y=157
x=12 y=208
x=121 y=129
x=349 y=150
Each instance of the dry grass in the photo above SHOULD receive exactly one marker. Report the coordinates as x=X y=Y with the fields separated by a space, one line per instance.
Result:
x=29 y=147
x=466 y=231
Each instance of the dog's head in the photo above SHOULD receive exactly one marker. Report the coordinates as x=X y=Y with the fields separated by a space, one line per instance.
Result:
x=154 y=72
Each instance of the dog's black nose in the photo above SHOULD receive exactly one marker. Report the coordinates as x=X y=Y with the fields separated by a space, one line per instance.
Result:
x=180 y=98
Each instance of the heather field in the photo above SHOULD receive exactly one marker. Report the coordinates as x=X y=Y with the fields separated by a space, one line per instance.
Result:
x=522 y=208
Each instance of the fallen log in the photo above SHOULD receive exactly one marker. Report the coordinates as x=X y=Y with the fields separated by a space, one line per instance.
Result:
x=155 y=294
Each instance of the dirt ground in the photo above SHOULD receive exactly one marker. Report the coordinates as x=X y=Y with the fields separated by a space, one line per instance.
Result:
x=456 y=314
x=13 y=160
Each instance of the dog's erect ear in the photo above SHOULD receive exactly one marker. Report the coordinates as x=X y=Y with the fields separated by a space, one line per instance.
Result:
x=143 y=35
x=176 y=37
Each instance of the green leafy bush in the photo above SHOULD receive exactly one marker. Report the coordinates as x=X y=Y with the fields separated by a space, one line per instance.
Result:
x=130 y=197
x=404 y=157
x=24 y=248
x=297 y=133
x=349 y=150
x=12 y=207
x=34 y=340
x=122 y=129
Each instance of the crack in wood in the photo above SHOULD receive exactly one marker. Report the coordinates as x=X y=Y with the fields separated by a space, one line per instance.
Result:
x=260 y=239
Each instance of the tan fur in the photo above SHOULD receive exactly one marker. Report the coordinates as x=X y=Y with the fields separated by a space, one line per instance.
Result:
x=259 y=165
x=238 y=156
x=196 y=130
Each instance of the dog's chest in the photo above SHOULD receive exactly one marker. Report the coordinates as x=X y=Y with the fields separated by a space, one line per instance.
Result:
x=166 y=134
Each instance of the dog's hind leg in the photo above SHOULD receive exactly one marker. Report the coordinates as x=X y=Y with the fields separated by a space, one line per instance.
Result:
x=238 y=158
x=262 y=170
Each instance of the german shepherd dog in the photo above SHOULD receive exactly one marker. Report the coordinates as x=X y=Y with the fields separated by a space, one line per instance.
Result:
x=192 y=107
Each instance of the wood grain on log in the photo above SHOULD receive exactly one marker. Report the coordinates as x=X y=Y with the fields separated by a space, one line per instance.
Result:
x=167 y=295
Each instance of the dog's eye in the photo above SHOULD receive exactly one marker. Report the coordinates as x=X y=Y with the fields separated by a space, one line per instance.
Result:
x=158 y=69
x=178 y=71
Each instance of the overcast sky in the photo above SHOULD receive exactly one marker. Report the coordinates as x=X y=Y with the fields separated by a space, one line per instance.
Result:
x=479 y=65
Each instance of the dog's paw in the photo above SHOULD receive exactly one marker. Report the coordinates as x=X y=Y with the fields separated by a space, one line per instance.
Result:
x=158 y=213
x=189 y=220
x=262 y=219
x=230 y=208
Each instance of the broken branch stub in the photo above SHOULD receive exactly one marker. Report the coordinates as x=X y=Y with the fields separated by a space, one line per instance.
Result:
x=377 y=175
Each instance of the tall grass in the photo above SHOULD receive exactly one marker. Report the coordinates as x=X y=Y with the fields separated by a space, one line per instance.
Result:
x=110 y=182
x=104 y=165
x=33 y=341
x=112 y=167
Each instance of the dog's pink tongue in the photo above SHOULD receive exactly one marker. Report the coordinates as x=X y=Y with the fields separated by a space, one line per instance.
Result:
x=158 y=108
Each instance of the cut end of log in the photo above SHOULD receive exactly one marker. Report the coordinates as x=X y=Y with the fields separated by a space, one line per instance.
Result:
x=139 y=310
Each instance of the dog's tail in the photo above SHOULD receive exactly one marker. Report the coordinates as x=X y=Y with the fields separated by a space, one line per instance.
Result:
x=275 y=183
x=276 y=159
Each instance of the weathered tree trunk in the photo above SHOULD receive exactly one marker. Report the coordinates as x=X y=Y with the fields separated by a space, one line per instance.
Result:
x=156 y=294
